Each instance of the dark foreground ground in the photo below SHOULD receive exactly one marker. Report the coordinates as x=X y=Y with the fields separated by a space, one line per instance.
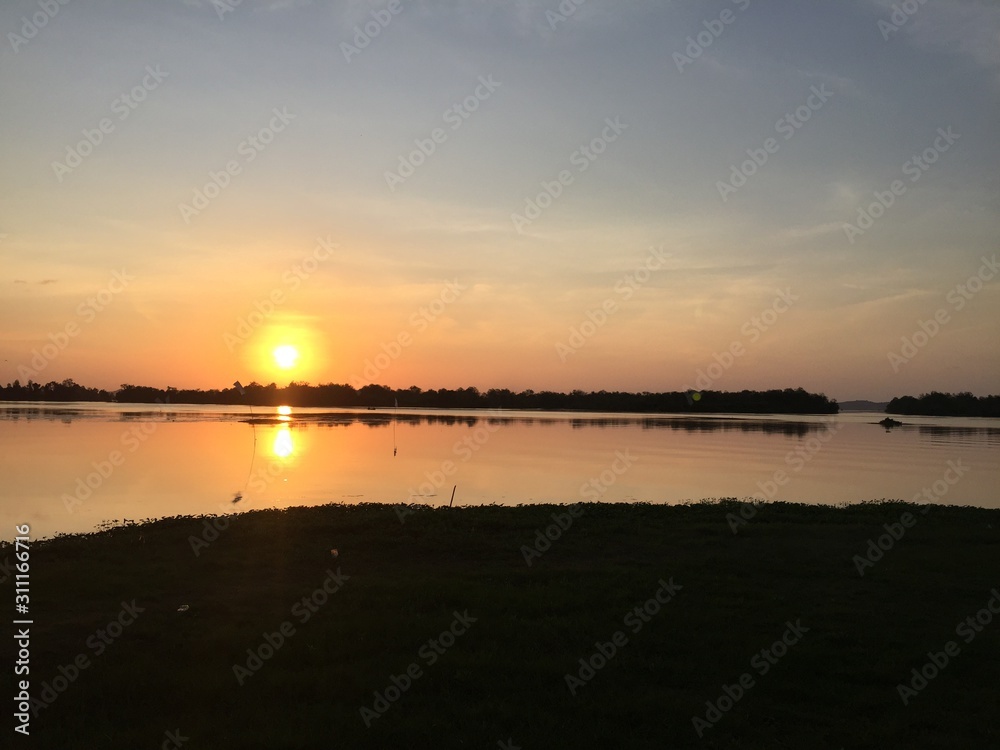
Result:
x=467 y=646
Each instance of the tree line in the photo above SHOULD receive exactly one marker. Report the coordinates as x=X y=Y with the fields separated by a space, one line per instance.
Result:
x=787 y=401
x=936 y=404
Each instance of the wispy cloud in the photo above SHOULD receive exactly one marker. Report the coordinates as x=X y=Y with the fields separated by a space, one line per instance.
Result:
x=971 y=27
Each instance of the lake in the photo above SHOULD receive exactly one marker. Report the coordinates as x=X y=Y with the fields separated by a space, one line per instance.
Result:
x=69 y=467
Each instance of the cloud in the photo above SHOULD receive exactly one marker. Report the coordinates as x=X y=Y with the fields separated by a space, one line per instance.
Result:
x=968 y=26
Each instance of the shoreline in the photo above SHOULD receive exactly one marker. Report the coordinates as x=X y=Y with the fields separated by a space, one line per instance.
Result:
x=844 y=512
x=837 y=512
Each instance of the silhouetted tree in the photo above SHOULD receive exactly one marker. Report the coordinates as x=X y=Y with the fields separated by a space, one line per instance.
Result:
x=936 y=404
x=787 y=401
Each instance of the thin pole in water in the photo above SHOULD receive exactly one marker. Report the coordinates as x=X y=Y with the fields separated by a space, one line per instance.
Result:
x=395 y=407
x=452 y=495
x=253 y=455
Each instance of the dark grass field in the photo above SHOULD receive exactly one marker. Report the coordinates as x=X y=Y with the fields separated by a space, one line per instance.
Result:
x=501 y=681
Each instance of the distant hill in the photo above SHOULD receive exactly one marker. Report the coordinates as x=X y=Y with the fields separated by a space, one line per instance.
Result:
x=862 y=405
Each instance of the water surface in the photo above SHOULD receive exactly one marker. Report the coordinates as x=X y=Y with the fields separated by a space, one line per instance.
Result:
x=69 y=467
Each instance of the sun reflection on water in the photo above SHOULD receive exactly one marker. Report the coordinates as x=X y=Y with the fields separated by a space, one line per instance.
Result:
x=283 y=446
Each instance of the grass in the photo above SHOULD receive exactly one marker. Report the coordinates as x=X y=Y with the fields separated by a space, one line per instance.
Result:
x=504 y=678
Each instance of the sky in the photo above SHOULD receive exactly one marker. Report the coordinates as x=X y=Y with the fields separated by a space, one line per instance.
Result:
x=593 y=194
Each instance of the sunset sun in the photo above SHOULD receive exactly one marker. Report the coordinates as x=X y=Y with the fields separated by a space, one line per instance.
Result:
x=286 y=356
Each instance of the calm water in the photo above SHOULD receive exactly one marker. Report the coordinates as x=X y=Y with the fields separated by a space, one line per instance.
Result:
x=69 y=467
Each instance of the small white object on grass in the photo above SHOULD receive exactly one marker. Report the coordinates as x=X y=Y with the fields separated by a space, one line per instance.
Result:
x=183 y=608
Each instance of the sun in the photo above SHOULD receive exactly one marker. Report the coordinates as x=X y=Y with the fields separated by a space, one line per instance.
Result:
x=286 y=356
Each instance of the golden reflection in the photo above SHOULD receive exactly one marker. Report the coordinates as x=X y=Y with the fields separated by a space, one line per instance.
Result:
x=283 y=446
x=284 y=413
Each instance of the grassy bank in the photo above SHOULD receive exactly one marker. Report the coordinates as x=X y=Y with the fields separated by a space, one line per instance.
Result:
x=515 y=631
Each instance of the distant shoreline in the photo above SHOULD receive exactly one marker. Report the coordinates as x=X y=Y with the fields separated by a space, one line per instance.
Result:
x=786 y=401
